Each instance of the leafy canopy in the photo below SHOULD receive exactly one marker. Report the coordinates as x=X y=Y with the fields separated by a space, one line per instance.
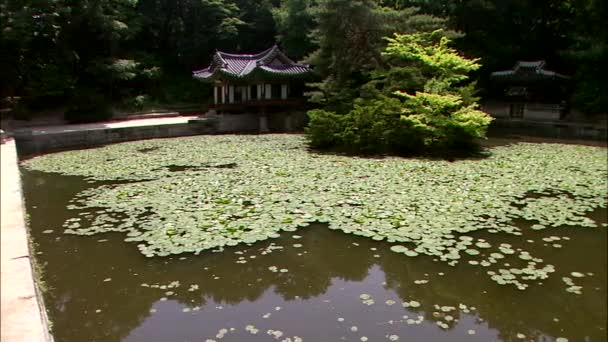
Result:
x=432 y=51
x=439 y=118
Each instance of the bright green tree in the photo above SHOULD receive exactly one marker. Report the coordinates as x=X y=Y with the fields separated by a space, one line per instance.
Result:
x=439 y=112
x=348 y=36
x=435 y=119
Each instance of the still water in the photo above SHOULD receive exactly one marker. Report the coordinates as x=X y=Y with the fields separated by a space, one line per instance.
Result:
x=315 y=286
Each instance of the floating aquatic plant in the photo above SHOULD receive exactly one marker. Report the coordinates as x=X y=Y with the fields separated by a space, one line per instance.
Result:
x=179 y=196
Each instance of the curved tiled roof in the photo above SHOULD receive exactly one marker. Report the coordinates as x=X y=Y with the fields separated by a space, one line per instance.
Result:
x=534 y=70
x=271 y=61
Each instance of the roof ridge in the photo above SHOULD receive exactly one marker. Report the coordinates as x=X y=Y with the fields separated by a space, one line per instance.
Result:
x=249 y=67
x=241 y=65
x=257 y=55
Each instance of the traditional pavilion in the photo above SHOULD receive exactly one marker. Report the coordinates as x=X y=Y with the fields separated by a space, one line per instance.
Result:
x=530 y=91
x=245 y=82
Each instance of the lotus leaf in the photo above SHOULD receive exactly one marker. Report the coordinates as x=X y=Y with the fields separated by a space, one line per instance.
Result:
x=175 y=201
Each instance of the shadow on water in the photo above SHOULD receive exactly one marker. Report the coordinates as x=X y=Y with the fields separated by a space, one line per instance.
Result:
x=148 y=149
x=181 y=168
x=479 y=152
x=103 y=289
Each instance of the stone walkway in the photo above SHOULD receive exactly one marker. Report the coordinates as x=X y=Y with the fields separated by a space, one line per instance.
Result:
x=22 y=318
x=103 y=125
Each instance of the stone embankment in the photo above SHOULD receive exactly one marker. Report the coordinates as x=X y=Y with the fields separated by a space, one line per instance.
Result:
x=23 y=315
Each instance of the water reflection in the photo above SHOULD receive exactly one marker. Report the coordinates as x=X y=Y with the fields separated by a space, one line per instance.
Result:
x=97 y=292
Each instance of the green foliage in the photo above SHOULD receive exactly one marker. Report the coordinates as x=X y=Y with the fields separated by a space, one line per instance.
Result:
x=140 y=102
x=323 y=129
x=570 y=34
x=349 y=35
x=431 y=51
x=375 y=127
x=184 y=89
x=437 y=120
x=54 y=51
x=184 y=32
x=440 y=115
x=444 y=122
x=294 y=23
x=422 y=124
x=589 y=52
x=257 y=30
x=371 y=127
x=586 y=96
x=124 y=48
x=431 y=206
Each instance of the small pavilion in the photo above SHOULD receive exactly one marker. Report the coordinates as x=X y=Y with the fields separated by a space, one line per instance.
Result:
x=247 y=81
x=531 y=91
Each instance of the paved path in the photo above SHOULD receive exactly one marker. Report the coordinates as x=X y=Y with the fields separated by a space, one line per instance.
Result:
x=104 y=125
x=21 y=315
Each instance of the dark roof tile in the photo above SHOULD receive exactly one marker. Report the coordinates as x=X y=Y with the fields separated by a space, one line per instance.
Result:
x=242 y=65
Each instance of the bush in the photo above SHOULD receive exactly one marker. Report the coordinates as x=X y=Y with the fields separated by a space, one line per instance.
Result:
x=444 y=122
x=422 y=124
x=370 y=128
x=139 y=102
x=324 y=128
x=88 y=106
x=375 y=127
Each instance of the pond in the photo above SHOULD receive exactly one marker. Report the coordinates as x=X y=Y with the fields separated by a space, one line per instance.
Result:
x=532 y=267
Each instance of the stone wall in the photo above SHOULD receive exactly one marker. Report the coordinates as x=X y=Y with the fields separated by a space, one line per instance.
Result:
x=558 y=130
x=237 y=123
x=541 y=112
x=30 y=143
x=531 y=111
x=287 y=122
x=23 y=312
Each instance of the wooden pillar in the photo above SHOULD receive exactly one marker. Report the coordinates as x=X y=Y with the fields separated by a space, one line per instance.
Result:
x=223 y=87
x=268 y=91
x=263 y=121
x=283 y=91
x=260 y=87
x=288 y=122
x=230 y=94
x=248 y=93
x=215 y=91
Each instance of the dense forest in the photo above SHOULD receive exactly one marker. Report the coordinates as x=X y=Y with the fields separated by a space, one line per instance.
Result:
x=99 y=53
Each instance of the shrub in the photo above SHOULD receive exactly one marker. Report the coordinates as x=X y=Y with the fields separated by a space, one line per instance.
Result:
x=371 y=127
x=444 y=122
x=324 y=128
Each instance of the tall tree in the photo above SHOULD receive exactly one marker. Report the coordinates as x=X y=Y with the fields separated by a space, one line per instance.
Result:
x=258 y=31
x=29 y=59
x=435 y=120
x=588 y=55
x=349 y=39
x=294 y=23
x=185 y=32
